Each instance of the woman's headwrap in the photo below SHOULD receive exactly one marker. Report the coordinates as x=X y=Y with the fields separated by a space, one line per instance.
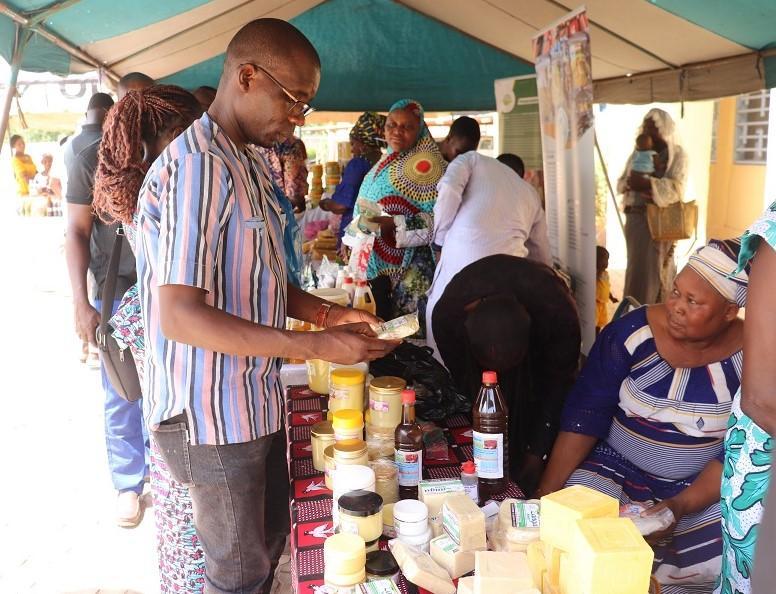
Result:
x=369 y=128
x=716 y=262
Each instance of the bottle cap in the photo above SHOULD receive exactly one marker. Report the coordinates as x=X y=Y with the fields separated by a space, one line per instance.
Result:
x=489 y=377
x=408 y=397
x=347 y=419
x=468 y=467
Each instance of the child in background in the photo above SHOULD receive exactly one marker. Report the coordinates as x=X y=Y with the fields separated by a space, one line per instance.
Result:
x=24 y=171
x=603 y=290
x=643 y=159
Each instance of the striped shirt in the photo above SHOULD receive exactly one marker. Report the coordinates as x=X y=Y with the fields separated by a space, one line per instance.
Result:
x=209 y=218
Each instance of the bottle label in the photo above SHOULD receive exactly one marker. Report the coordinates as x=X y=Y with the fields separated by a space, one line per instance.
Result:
x=489 y=454
x=525 y=515
x=379 y=406
x=471 y=491
x=410 y=467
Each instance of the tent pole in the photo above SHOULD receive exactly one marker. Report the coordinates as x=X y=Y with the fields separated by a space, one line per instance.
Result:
x=609 y=183
x=16 y=62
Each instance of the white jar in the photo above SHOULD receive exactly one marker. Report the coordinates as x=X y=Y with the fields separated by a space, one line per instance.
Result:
x=353 y=477
x=422 y=541
x=410 y=517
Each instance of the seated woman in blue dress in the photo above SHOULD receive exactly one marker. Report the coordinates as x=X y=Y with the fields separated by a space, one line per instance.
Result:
x=646 y=419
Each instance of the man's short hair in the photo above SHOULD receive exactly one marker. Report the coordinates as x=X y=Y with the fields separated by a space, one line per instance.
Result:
x=267 y=41
x=513 y=162
x=135 y=78
x=468 y=129
x=100 y=101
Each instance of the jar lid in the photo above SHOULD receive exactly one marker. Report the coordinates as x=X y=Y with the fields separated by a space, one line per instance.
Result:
x=360 y=503
x=388 y=383
x=344 y=547
x=410 y=510
x=352 y=477
x=328 y=452
x=347 y=376
x=322 y=428
x=347 y=418
x=350 y=448
x=381 y=563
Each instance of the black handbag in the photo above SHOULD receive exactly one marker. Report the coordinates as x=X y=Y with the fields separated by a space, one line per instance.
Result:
x=119 y=363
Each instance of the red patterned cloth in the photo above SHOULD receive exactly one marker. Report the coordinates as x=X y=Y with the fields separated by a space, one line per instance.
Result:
x=311 y=522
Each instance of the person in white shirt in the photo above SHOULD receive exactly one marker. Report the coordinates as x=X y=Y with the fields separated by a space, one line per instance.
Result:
x=483 y=208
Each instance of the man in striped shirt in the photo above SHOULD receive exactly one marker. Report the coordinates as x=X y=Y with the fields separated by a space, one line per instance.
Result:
x=212 y=273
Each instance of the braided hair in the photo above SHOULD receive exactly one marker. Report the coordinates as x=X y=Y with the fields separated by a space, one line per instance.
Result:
x=140 y=116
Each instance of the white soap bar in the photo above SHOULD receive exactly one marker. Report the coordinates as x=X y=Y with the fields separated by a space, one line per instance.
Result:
x=497 y=573
x=519 y=520
x=420 y=569
x=434 y=492
x=466 y=585
x=457 y=562
x=464 y=522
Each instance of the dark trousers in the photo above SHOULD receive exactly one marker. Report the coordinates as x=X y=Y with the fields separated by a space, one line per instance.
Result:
x=239 y=496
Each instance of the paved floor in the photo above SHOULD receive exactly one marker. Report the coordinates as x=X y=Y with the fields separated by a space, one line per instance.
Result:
x=56 y=502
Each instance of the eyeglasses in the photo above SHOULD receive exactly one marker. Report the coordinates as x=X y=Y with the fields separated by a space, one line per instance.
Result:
x=299 y=108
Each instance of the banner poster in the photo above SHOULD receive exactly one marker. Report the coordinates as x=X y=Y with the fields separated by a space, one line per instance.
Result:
x=565 y=88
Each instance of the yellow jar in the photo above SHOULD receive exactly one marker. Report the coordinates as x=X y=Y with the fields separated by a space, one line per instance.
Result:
x=360 y=512
x=318 y=376
x=352 y=451
x=344 y=557
x=330 y=465
x=385 y=401
x=346 y=389
x=348 y=424
x=321 y=437
x=386 y=479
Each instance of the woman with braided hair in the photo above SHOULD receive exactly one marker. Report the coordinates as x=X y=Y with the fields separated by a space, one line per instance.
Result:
x=135 y=133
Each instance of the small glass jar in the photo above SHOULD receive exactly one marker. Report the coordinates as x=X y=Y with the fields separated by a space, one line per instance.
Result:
x=352 y=451
x=386 y=479
x=346 y=389
x=380 y=441
x=330 y=465
x=385 y=401
x=360 y=512
x=348 y=424
x=381 y=565
x=321 y=437
x=389 y=531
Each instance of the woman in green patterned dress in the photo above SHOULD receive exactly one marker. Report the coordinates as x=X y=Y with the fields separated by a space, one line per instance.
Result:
x=748 y=443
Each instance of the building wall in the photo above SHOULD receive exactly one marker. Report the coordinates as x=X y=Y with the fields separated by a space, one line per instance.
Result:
x=735 y=190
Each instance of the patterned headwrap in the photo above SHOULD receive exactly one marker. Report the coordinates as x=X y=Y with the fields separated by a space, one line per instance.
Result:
x=716 y=262
x=369 y=128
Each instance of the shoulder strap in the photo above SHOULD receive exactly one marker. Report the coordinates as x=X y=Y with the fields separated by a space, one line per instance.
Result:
x=109 y=287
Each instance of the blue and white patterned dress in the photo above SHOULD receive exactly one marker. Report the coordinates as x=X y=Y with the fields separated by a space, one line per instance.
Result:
x=658 y=428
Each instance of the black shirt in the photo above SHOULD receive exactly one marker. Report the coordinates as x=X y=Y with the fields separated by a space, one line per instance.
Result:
x=81 y=162
x=535 y=392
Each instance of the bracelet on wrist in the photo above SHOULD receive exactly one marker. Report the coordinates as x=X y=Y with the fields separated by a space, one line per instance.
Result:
x=322 y=317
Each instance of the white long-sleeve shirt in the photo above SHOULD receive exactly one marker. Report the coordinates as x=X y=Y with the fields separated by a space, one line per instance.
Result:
x=484 y=208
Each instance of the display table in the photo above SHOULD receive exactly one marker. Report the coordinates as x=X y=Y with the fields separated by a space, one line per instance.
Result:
x=310 y=500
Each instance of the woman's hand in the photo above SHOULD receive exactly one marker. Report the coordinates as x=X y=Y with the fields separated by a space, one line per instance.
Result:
x=387 y=228
x=676 y=505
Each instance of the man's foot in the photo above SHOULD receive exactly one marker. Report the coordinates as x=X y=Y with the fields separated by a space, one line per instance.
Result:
x=129 y=511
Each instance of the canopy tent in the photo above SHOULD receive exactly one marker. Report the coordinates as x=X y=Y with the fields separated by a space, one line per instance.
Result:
x=445 y=54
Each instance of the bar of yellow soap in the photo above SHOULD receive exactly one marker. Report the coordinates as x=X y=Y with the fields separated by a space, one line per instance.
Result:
x=552 y=562
x=560 y=511
x=608 y=555
x=464 y=522
x=501 y=573
x=548 y=587
x=466 y=585
x=535 y=555
x=446 y=553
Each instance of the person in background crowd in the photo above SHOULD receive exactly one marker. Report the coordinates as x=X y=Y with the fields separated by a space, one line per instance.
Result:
x=213 y=288
x=134 y=81
x=483 y=209
x=287 y=161
x=749 y=440
x=603 y=288
x=205 y=96
x=651 y=267
x=646 y=419
x=46 y=184
x=366 y=137
x=514 y=162
x=88 y=246
x=23 y=171
x=404 y=185
x=137 y=130
x=516 y=317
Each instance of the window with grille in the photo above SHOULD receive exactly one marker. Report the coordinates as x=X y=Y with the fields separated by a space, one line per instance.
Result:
x=752 y=127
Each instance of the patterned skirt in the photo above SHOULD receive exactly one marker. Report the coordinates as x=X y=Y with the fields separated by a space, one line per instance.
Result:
x=688 y=561
x=745 y=479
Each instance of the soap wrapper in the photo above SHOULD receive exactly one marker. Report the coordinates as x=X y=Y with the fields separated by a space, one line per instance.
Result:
x=398 y=328
x=647 y=524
